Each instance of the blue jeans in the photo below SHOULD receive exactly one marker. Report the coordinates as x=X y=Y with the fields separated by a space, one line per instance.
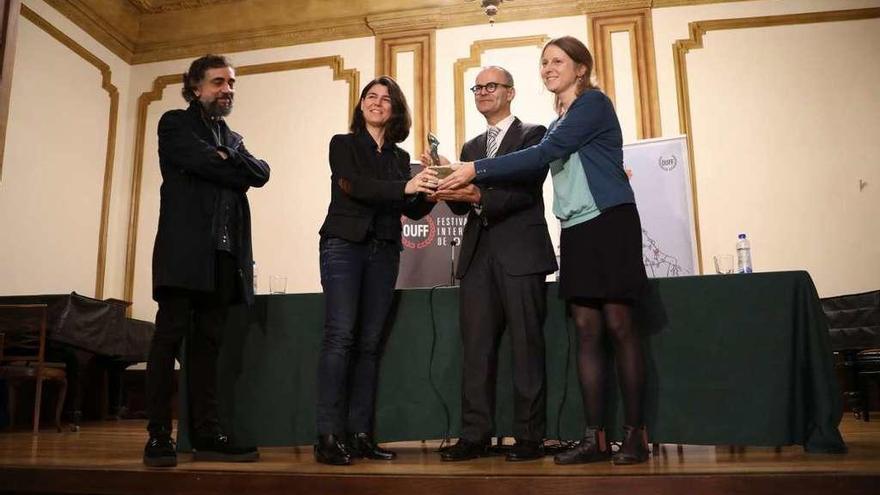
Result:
x=358 y=281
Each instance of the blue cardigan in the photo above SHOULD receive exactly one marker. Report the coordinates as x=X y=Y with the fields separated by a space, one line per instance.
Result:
x=590 y=128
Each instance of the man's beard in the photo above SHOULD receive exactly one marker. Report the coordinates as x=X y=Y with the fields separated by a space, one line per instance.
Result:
x=214 y=109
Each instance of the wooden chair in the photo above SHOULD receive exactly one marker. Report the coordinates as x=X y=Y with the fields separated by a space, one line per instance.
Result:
x=22 y=357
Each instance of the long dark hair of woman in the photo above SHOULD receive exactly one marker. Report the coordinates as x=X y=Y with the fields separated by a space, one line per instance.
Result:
x=397 y=127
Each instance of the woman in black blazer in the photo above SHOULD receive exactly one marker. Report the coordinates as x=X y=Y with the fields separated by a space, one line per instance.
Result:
x=360 y=253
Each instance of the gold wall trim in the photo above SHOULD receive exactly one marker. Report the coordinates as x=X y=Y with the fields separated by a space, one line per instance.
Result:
x=113 y=93
x=697 y=29
x=8 y=37
x=463 y=64
x=641 y=35
x=421 y=45
x=340 y=73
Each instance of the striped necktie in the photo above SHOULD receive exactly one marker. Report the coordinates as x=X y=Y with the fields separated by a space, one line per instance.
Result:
x=492 y=141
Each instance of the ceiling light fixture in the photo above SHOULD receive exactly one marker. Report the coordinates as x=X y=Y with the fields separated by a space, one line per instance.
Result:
x=490 y=7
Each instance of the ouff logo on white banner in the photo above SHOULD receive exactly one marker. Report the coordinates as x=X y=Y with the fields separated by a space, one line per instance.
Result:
x=659 y=176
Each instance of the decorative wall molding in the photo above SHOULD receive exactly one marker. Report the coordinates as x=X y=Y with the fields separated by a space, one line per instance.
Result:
x=113 y=93
x=697 y=30
x=340 y=73
x=8 y=34
x=638 y=24
x=463 y=64
x=421 y=45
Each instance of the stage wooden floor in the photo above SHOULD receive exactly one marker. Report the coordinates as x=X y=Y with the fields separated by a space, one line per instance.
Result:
x=105 y=458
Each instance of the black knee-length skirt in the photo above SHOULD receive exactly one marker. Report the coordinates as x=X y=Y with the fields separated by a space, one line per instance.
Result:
x=602 y=257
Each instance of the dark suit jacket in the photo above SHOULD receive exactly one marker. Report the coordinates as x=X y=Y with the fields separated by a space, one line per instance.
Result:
x=372 y=193
x=512 y=216
x=193 y=174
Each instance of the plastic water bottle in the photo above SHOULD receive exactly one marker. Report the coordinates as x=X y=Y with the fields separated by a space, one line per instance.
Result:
x=743 y=255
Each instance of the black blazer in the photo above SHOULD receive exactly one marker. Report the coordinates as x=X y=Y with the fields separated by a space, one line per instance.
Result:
x=512 y=215
x=193 y=173
x=373 y=192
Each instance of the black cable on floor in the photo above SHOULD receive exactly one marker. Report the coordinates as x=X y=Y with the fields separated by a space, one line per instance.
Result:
x=431 y=366
x=563 y=445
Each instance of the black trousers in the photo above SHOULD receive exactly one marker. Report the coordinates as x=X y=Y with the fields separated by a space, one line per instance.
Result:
x=492 y=300
x=197 y=317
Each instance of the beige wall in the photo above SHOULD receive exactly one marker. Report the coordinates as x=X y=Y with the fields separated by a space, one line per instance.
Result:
x=803 y=156
x=785 y=120
x=53 y=170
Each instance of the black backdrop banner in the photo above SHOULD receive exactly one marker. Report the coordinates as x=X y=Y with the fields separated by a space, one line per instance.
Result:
x=429 y=247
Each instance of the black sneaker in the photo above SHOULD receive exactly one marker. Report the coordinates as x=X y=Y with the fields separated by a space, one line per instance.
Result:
x=160 y=451
x=218 y=448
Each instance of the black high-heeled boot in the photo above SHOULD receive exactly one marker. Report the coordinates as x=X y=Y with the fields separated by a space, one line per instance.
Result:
x=634 y=449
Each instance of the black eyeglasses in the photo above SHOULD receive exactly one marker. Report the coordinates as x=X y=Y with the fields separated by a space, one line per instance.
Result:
x=489 y=87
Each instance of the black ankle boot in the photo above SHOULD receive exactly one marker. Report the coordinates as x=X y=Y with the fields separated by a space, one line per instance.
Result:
x=362 y=445
x=634 y=449
x=330 y=449
x=592 y=448
x=160 y=450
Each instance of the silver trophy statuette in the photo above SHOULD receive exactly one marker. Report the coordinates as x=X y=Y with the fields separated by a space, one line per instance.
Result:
x=433 y=142
x=442 y=170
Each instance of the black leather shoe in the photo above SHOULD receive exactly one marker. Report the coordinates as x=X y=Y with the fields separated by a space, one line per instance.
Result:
x=362 y=445
x=526 y=450
x=160 y=451
x=217 y=447
x=593 y=448
x=464 y=450
x=634 y=449
x=329 y=449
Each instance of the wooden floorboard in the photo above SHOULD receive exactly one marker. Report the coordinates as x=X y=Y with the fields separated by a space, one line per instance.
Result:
x=105 y=458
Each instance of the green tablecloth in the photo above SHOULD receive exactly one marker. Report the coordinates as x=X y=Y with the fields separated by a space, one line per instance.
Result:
x=732 y=360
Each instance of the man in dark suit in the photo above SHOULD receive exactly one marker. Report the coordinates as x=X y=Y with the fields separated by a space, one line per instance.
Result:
x=202 y=258
x=506 y=254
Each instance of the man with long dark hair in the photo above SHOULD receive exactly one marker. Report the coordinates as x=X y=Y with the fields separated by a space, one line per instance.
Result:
x=202 y=259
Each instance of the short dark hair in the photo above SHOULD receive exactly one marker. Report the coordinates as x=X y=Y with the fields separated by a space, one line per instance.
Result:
x=196 y=73
x=397 y=127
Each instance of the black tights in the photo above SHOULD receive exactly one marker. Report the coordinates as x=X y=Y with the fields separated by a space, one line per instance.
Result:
x=589 y=316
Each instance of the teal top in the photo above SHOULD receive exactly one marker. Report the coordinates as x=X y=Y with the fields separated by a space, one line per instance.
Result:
x=573 y=202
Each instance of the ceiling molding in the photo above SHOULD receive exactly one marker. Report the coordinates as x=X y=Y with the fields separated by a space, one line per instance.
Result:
x=104 y=31
x=161 y=6
x=143 y=31
x=333 y=29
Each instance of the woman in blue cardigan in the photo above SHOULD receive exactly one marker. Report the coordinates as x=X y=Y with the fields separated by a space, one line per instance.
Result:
x=601 y=269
